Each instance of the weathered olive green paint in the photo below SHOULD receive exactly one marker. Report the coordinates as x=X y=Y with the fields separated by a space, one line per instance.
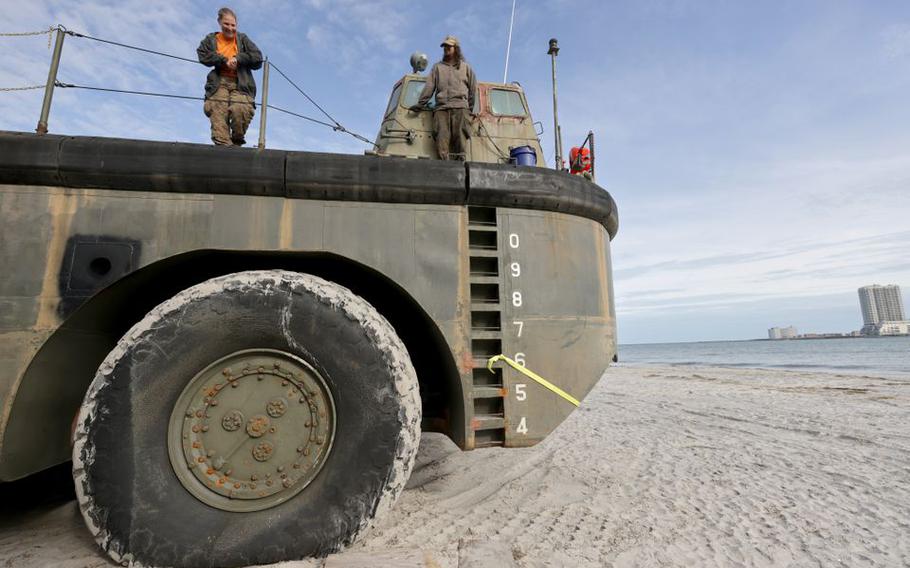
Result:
x=535 y=258
x=409 y=133
x=568 y=325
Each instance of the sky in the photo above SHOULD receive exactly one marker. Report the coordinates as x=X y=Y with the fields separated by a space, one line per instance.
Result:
x=758 y=151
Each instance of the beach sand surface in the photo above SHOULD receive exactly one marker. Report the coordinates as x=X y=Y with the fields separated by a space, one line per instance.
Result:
x=661 y=466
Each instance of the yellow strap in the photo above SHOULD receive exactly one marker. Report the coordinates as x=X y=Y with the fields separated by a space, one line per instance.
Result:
x=527 y=372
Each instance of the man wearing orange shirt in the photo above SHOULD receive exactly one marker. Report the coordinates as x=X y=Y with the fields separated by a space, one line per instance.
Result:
x=230 y=91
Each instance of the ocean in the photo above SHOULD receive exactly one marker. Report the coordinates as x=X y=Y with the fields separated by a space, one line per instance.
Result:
x=879 y=356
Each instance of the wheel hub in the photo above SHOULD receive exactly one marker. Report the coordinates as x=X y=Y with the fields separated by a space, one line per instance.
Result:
x=251 y=430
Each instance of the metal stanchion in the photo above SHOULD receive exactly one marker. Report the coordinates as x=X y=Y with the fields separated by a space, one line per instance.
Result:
x=265 y=104
x=51 y=80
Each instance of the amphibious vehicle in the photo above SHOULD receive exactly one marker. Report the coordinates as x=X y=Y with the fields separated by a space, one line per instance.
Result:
x=239 y=349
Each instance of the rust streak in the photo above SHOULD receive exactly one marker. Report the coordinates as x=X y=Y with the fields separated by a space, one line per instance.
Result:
x=61 y=207
x=285 y=226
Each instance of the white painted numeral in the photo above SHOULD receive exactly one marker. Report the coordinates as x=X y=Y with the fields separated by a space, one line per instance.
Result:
x=521 y=326
x=520 y=393
x=522 y=426
x=520 y=359
x=513 y=240
x=516 y=299
x=516 y=269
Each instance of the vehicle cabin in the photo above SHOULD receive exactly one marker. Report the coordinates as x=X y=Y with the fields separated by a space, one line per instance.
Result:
x=502 y=122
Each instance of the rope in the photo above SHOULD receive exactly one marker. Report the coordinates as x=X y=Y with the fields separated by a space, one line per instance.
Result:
x=20 y=34
x=49 y=31
x=152 y=51
x=29 y=88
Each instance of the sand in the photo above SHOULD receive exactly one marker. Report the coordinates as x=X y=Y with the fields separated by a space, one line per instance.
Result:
x=661 y=466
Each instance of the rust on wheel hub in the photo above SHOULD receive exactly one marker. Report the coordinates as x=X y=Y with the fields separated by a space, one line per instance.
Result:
x=251 y=430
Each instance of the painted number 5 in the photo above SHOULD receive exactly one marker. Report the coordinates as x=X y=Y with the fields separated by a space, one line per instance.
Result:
x=520 y=392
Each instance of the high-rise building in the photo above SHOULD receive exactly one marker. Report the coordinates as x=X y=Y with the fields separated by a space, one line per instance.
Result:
x=788 y=332
x=881 y=304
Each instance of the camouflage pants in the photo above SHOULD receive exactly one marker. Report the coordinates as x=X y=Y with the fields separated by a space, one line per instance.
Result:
x=230 y=112
x=449 y=125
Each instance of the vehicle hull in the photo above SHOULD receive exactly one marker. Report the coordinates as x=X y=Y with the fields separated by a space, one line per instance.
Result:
x=487 y=259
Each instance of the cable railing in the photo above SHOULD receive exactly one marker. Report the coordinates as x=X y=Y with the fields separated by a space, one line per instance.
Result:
x=52 y=82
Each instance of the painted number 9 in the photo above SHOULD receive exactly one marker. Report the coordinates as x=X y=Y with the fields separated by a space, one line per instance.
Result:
x=516 y=269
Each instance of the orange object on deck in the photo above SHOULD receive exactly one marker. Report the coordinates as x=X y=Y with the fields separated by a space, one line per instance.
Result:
x=579 y=160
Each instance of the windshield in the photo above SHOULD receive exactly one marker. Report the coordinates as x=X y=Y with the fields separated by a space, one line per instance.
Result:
x=412 y=93
x=507 y=103
x=393 y=100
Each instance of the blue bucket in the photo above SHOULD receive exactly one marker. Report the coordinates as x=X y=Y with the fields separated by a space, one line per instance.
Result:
x=523 y=156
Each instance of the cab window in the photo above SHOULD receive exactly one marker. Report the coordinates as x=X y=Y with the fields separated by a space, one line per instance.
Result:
x=508 y=103
x=412 y=93
x=393 y=100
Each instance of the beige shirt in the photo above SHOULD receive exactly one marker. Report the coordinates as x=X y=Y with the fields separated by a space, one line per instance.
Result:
x=455 y=87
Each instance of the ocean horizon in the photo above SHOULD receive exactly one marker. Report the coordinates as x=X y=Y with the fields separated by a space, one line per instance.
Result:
x=879 y=356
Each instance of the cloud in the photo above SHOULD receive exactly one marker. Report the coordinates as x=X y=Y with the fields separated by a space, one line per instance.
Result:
x=896 y=41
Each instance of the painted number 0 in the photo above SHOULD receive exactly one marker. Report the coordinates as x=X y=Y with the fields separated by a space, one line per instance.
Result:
x=513 y=240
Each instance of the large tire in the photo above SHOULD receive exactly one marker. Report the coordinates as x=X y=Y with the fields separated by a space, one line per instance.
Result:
x=142 y=511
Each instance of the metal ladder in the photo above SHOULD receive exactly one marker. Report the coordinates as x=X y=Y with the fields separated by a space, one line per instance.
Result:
x=489 y=393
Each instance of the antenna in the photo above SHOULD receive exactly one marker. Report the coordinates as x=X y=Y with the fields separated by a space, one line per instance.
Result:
x=505 y=73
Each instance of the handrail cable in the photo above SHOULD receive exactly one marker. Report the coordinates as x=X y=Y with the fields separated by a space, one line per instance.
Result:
x=336 y=126
x=280 y=72
x=152 y=51
x=184 y=97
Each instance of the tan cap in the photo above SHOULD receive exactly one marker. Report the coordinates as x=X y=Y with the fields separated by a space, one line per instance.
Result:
x=449 y=40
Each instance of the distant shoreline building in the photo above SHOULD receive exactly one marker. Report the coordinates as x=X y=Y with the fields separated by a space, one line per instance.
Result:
x=883 y=310
x=788 y=332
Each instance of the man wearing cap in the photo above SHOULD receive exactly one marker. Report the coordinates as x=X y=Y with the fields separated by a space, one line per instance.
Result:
x=453 y=82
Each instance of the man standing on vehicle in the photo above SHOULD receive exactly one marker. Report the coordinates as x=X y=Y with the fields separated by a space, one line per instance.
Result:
x=453 y=82
x=230 y=90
